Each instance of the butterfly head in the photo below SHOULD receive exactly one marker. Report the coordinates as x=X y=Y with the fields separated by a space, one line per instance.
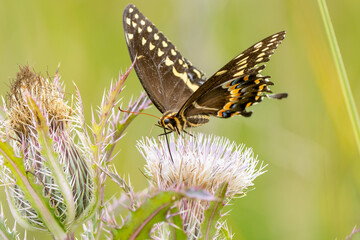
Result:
x=170 y=122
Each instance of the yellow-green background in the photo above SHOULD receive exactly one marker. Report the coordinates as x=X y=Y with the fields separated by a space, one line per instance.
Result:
x=311 y=189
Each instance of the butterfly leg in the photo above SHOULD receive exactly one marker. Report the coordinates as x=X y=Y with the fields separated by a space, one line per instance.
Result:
x=188 y=133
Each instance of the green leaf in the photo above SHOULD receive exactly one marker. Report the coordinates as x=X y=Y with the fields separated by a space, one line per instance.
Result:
x=212 y=214
x=224 y=233
x=5 y=232
x=32 y=192
x=177 y=232
x=140 y=222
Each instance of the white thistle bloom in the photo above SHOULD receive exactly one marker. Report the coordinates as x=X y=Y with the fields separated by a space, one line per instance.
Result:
x=203 y=162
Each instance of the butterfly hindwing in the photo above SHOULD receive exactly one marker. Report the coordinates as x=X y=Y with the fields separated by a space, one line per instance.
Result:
x=168 y=78
x=237 y=85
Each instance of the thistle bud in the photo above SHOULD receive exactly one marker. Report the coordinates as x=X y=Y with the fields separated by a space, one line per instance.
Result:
x=51 y=187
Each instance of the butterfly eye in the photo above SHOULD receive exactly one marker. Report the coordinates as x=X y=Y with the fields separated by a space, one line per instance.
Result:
x=166 y=121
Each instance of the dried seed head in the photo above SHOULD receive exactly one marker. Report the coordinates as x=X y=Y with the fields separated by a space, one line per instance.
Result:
x=46 y=93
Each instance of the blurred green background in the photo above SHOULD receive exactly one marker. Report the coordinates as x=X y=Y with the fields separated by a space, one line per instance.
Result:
x=311 y=189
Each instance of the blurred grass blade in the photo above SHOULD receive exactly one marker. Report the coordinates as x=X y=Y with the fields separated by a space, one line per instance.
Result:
x=340 y=68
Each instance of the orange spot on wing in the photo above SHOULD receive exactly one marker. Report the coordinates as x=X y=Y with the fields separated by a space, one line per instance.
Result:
x=235 y=92
x=228 y=105
x=220 y=113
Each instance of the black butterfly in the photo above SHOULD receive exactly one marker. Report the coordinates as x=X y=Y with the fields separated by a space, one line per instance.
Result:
x=180 y=91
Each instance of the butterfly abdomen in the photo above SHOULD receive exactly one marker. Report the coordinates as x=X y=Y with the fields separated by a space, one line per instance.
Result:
x=197 y=120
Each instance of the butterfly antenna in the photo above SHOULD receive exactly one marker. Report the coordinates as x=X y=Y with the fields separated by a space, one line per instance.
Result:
x=148 y=114
x=168 y=145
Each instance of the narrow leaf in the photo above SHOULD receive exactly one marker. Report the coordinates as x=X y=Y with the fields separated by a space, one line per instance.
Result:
x=224 y=233
x=5 y=232
x=177 y=232
x=140 y=222
x=212 y=214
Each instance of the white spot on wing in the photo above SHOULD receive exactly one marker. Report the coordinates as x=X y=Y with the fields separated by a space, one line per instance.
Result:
x=221 y=72
x=198 y=74
x=128 y=21
x=238 y=73
x=259 y=44
x=130 y=36
x=143 y=41
x=151 y=47
x=238 y=56
x=168 y=62
x=160 y=53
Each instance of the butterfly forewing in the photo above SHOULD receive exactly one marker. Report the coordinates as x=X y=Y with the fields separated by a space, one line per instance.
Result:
x=168 y=78
x=237 y=85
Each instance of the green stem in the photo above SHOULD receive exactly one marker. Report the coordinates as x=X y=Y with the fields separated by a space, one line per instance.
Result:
x=340 y=68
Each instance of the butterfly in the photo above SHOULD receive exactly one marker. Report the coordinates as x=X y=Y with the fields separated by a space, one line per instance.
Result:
x=180 y=91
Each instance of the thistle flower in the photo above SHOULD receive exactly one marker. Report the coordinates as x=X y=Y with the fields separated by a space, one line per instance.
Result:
x=200 y=162
x=47 y=173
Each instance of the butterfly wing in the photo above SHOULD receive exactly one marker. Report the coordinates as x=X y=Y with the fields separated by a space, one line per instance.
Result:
x=168 y=78
x=236 y=86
